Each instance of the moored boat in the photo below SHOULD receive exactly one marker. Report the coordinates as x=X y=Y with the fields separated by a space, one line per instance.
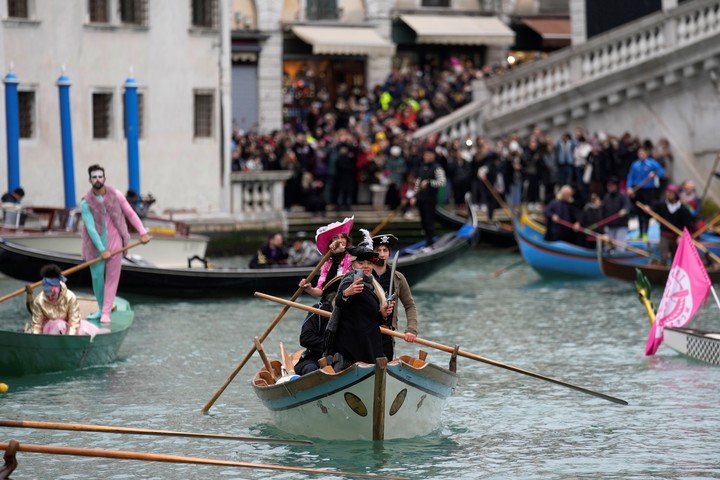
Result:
x=57 y=230
x=497 y=234
x=415 y=262
x=26 y=353
x=401 y=399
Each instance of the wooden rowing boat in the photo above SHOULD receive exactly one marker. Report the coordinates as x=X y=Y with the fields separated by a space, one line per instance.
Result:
x=557 y=259
x=26 y=354
x=399 y=399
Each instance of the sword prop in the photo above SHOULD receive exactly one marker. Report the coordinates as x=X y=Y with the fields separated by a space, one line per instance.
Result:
x=391 y=293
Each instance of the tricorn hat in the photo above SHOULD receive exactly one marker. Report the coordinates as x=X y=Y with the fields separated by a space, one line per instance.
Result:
x=388 y=239
x=326 y=233
x=331 y=286
x=364 y=250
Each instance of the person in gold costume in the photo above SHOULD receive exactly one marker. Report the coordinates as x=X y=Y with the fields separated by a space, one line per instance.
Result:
x=56 y=311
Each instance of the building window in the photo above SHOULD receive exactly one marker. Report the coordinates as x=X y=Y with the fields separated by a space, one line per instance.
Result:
x=18 y=9
x=99 y=11
x=203 y=124
x=26 y=104
x=204 y=13
x=141 y=115
x=321 y=10
x=133 y=12
x=435 y=3
x=102 y=115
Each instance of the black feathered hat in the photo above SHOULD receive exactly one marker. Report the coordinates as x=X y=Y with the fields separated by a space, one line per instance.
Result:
x=364 y=250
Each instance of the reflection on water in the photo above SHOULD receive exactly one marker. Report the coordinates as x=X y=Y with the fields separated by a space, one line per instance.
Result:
x=498 y=424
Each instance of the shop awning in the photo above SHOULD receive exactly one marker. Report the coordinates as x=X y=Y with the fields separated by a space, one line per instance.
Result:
x=550 y=28
x=344 y=40
x=450 y=30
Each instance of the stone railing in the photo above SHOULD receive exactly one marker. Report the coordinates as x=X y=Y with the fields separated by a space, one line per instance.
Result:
x=257 y=192
x=465 y=122
x=513 y=100
x=620 y=49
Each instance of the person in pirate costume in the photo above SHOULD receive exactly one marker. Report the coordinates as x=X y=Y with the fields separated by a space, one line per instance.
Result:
x=312 y=335
x=353 y=332
x=383 y=246
x=335 y=237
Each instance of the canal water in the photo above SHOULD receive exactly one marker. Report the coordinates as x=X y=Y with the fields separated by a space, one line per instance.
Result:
x=497 y=425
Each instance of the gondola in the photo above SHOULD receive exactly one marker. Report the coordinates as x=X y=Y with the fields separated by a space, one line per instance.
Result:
x=497 y=234
x=400 y=399
x=26 y=353
x=57 y=229
x=23 y=263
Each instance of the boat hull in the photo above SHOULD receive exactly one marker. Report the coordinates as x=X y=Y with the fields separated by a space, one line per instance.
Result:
x=26 y=354
x=697 y=344
x=24 y=263
x=364 y=402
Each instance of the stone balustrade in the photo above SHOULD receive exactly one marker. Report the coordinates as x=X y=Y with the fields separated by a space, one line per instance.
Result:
x=618 y=50
x=258 y=193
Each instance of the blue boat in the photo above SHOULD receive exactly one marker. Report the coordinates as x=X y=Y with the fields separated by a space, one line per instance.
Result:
x=557 y=259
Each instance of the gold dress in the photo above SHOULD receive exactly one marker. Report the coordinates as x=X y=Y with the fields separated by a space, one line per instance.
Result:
x=64 y=307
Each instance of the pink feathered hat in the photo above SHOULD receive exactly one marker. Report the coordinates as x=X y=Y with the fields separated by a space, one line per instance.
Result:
x=326 y=233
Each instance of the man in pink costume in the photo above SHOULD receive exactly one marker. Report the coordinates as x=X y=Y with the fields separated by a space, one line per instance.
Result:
x=104 y=210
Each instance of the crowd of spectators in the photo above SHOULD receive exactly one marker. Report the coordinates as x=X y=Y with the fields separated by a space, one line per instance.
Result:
x=361 y=149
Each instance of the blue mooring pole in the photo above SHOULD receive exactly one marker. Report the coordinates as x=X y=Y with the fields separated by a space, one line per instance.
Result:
x=63 y=84
x=12 y=128
x=131 y=133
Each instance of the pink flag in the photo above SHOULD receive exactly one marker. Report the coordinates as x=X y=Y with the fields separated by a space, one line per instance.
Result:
x=686 y=289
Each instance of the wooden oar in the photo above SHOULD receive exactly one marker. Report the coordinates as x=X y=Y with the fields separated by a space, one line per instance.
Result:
x=385 y=221
x=72 y=270
x=706 y=227
x=157 y=457
x=81 y=427
x=286 y=360
x=497 y=196
x=504 y=269
x=605 y=238
x=462 y=353
x=602 y=222
x=641 y=184
x=265 y=334
x=676 y=230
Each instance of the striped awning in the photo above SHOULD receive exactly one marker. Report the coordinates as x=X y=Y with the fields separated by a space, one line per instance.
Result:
x=344 y=40
x=459 y=30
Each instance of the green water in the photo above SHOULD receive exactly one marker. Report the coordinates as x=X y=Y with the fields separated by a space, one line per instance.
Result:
x=498 y=424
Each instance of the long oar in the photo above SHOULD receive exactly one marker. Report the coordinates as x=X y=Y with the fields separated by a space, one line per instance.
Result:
x=604 y=221
x=672 y=227
x=462 y=353
x=605 y=238
x=265 y=334
x=72 y=270
x=385 y=221
x=81 y=427
x=706 y=227
x=497 y=196
x=157 y=457
x=504 y=269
